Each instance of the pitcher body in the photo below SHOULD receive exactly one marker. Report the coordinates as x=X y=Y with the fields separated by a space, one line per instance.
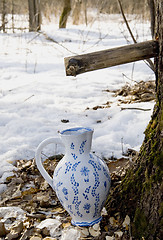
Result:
x=81 y=180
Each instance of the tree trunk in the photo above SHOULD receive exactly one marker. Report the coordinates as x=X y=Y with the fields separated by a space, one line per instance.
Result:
x=65 y=13
x=4 y=15
x=140 y=193
x=152 y=14
x=77 y=12
x=34 y=15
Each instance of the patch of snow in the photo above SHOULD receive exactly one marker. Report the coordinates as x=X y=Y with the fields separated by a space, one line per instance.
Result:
x=35 y=94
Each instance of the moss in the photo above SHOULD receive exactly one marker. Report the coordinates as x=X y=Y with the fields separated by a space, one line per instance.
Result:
x=140 y=224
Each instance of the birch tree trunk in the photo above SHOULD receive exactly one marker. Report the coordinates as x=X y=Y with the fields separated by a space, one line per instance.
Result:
x=140 y=193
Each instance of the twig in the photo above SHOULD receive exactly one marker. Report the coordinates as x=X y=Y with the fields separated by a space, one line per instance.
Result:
x=131 y=79
x=142 y=109
x=29 y=98
x=147 y=61
x=34 y=37
x=52 y=40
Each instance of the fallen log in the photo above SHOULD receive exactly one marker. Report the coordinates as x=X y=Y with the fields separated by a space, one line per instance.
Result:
x=78 y=64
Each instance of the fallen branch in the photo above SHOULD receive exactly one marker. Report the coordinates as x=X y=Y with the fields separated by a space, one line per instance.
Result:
x=111 y=57
x=142 y=109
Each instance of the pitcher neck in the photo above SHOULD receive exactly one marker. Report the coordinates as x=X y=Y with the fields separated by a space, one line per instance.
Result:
x=77 y=141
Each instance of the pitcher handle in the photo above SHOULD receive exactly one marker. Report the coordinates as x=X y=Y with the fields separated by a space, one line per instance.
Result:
x=39 y=161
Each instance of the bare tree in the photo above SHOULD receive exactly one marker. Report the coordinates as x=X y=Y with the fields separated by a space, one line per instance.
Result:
x=4 y=15
x=140 y=193
x=65 y=13
x=34 y=15
x=152 y=14
x=76 y=12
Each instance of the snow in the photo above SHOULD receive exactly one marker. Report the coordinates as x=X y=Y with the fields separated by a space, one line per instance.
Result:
x=35 y=94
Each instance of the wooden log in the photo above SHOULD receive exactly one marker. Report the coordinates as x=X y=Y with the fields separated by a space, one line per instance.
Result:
x=75 y=65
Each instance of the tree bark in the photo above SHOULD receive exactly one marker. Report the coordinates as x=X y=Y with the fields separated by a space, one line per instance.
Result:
x=77 y=12
x=34 y=15
x=65 y=13
x=4 y=15
x=140 y=193
x=152 y=15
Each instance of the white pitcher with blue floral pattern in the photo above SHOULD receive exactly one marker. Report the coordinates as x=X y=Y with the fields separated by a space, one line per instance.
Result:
x=81 y=180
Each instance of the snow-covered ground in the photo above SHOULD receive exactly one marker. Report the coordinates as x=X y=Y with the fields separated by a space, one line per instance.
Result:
x=36 y=96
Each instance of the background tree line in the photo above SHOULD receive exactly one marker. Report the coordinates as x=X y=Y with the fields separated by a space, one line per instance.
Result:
x=78 y=9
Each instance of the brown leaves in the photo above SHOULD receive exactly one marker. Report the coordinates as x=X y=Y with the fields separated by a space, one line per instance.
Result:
x=140 y=92
x=43 y=216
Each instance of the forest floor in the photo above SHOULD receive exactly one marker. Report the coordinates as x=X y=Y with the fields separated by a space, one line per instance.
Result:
x=30 y=209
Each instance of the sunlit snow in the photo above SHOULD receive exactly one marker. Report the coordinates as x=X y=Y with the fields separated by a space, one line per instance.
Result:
x=36 y=96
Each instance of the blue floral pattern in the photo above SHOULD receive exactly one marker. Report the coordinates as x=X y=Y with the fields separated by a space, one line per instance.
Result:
x=84 y=171
x=65 y=192
x=82 y=186
x=96 y=185
x=87 y=207
x=74 y=156
x=72 y=146
x=81 y=149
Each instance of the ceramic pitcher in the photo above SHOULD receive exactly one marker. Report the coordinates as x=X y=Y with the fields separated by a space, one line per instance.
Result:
x=81 y=180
